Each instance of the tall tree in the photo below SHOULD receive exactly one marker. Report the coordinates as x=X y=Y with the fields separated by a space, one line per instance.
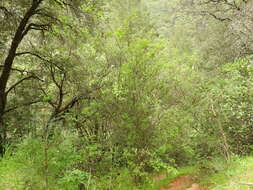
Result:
x=22 y=30
x=28 y=19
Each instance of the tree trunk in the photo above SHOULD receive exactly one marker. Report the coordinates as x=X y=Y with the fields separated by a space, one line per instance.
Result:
x=21 y=31
x=2 y=136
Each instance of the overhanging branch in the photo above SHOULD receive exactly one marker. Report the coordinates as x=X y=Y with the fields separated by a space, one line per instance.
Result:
x=20 y=81
x=22 y=71
x=39 y=57
x=33 y=26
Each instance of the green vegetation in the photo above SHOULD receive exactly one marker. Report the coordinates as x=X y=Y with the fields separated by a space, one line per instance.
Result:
x=103 y=95
x=230 y=176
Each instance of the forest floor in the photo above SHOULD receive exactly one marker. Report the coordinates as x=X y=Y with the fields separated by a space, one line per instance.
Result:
x=222 y=176
x=185 y=182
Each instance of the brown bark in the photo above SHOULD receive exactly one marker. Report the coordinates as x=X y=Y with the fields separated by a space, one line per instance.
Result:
x=21 y=31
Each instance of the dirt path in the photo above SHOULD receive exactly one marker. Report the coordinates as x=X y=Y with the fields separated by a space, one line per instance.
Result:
x=183 y=183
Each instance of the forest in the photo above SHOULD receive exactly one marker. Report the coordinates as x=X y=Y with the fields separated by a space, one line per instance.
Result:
x=126 y=94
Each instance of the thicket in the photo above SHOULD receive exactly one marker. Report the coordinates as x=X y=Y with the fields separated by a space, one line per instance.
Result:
x=103 y=94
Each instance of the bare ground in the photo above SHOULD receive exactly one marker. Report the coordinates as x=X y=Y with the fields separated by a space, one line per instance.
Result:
x=183 y=183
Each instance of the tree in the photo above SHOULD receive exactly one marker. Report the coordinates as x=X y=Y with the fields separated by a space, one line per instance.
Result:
x=22 y=30
x=34 y=19
x=235 y=16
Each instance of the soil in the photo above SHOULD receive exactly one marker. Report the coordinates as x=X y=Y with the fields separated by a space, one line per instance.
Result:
x=183 y=183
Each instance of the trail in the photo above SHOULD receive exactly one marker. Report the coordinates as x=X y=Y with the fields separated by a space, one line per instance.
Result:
x=183 y=183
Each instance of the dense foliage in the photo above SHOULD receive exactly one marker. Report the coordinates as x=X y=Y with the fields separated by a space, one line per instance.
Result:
x=102 y=94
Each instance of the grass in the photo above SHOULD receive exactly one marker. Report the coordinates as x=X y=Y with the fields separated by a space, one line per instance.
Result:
x=17 y=170
x=218 y=174
x=228 y=176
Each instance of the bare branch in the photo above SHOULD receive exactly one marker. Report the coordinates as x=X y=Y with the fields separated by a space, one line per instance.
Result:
x=232 y=4
x=217 y=17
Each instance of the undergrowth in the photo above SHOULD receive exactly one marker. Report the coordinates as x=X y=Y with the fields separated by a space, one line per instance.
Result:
x=228 y=176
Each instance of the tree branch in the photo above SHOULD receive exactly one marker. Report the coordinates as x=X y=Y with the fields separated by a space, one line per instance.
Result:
x=62 y=3
x=5 y=10
x=20 y=81
x=68 y=106
x=24 y=104
x=216 y=17
x=44 y=13
x=33 y=26
x=40 y=57
x=49 y=101
x=232 y=4
x=15 y=69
